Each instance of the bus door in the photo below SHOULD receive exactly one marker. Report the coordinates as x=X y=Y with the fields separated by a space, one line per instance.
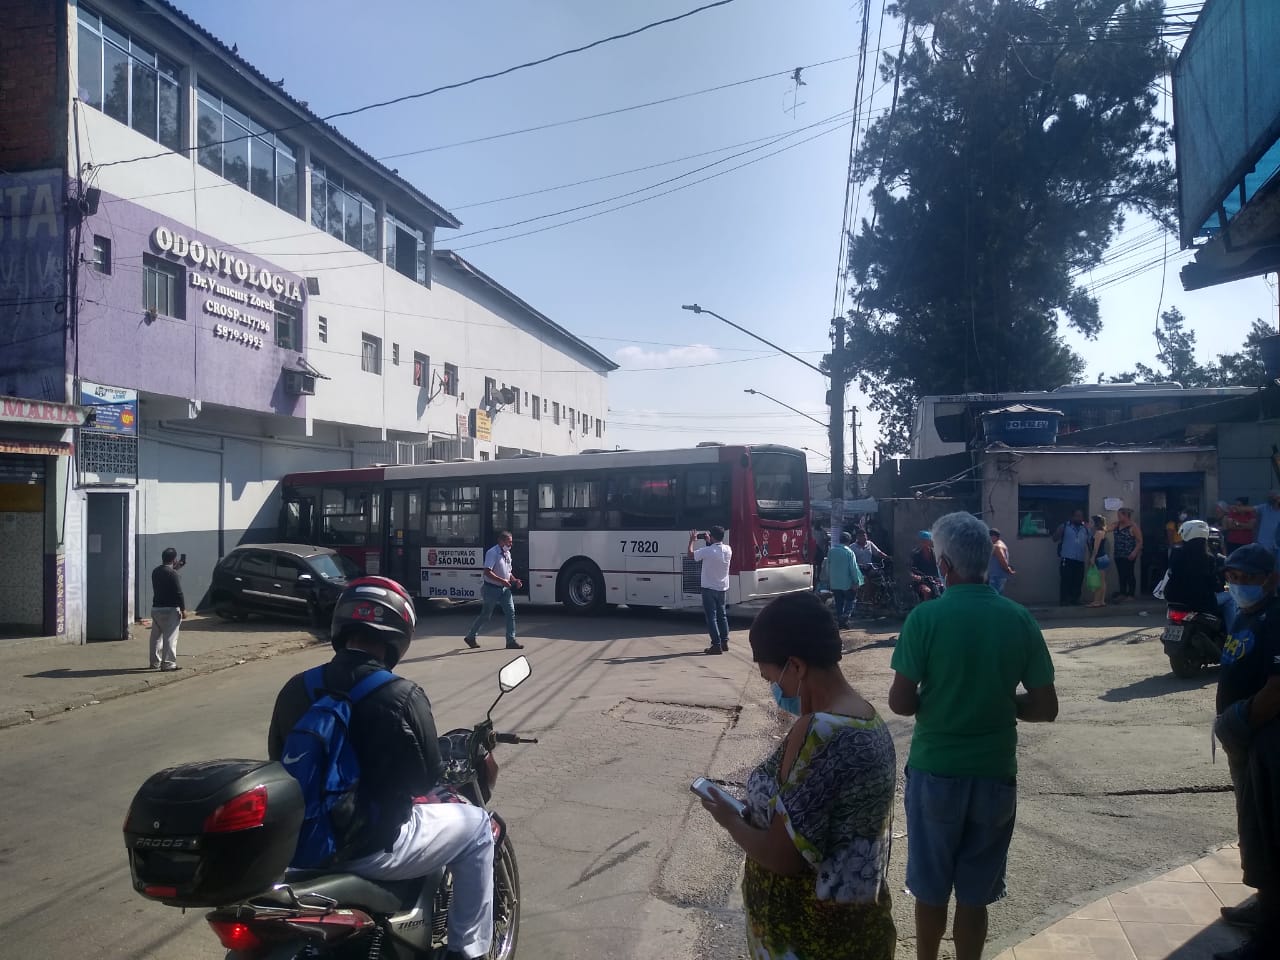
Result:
x=507 y=508
x=404 y=538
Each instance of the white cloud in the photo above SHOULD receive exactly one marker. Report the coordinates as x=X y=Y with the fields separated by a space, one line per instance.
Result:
x=636 y=356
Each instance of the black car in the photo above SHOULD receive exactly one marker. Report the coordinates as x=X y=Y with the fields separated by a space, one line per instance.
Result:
x=278 y=579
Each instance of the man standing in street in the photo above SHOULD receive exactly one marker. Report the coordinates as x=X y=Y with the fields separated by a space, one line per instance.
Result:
x=1248 y=724
x=957 y=667
x=496 y=591
x=168 y=608
x=998 y=570
x=714 y=557
x=844 y=576
x=1072 y=539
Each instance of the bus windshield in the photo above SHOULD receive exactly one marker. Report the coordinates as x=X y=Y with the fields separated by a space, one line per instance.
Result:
x=781 y=485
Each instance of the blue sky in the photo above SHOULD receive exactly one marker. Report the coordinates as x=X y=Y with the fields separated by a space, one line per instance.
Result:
x=758 y=244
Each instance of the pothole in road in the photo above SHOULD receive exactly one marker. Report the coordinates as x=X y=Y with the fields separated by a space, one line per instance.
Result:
x=673 y=716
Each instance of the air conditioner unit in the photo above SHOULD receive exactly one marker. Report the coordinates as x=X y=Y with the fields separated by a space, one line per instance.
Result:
x=299 y=384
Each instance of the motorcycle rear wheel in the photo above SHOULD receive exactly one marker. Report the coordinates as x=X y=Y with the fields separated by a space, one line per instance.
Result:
x=1184 y=666
x=506 y=903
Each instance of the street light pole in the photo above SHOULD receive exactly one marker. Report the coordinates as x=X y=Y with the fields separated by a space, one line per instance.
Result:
x=761 y=393
x=695 y=308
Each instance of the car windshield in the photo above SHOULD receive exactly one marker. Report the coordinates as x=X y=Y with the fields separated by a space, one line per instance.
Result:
x=325 y=565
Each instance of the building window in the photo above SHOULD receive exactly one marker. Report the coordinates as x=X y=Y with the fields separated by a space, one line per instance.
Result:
x=340 y=210
x=408 y=249
x=544 y=406
x=127 y=80
x=555 y=413
x=163 y=284
x=490 y=390
x=421 y=370
x=371 y=353
x=1042 y=508
x=451 y=379
x=535 y=408
x=238 y=148
x=288 y=327
x=395 y=354
x=101 y=254
x=599 y=427
x=586 y=424
x=324 y=330
x=484 y=454
x=515 y=404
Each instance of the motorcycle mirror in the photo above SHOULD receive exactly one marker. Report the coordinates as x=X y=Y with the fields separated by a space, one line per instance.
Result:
x=513 y=674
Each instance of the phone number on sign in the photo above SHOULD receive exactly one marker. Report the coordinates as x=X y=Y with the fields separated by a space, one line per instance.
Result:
x=230 y=333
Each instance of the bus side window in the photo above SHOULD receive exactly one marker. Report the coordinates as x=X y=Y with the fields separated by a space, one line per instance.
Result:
x=706 y=499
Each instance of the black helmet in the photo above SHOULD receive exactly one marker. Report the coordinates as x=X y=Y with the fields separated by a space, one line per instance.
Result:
x=378 y=607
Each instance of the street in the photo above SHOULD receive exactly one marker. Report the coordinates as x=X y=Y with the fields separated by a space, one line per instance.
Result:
x=616 y=860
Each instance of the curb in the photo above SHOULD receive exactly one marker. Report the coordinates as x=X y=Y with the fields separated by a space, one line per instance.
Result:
x=149 y=681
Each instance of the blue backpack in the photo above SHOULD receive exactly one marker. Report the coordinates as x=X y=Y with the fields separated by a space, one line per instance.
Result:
x=318 y=754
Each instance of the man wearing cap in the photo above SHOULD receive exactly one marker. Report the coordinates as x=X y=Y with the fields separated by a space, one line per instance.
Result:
x=926 y=578
x=1248 y=706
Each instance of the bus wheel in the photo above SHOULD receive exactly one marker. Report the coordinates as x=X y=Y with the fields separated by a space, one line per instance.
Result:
x=582 y=587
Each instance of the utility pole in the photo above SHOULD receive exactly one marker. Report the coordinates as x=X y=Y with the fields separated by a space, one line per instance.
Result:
x=853 y=450
x=837 y=366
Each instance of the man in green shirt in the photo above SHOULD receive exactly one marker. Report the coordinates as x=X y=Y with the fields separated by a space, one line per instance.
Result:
x=957 y=667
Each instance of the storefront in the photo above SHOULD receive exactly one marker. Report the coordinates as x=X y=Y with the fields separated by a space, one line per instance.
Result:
x=35 y=447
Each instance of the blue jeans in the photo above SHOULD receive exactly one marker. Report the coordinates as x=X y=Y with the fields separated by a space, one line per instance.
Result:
x=492 y=595
x=717 y=619
x=843 y=604
x=997 y=581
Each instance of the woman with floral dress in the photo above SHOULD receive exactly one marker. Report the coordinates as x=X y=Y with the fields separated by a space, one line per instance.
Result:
x=819 y=819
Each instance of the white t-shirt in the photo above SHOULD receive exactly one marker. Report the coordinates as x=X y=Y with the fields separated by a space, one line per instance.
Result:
x=715 y=565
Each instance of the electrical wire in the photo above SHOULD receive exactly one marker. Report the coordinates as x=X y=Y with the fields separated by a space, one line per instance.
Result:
x=458 y=84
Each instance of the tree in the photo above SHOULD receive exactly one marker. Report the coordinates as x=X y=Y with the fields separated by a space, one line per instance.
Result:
x=1176 y=352
x=1023 y=132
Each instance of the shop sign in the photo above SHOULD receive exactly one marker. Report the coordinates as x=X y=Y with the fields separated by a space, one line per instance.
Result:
x=482 y=425
x=33 y=448
x=115 y=409
x=463 y=429
x=225 y=264
x=15 y=410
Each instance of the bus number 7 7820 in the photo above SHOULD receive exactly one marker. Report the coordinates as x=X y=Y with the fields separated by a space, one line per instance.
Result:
x=639 y=546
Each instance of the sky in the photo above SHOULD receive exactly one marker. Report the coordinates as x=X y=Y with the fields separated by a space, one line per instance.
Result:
x=759 y=244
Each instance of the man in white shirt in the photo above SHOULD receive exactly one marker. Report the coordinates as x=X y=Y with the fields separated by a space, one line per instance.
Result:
x=714 y=557
x=496 y=591
x=865 y=551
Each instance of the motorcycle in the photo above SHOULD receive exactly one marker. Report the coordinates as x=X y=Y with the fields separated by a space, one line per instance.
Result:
x=220 y=834
x=1192 y=640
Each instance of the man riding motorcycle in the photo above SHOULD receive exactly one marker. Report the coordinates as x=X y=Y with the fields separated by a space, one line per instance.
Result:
x=1195 y=579
x=395 y=834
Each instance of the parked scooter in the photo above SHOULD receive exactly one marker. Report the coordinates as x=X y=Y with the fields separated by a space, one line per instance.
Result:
x=221 y=834
x=1192 y=640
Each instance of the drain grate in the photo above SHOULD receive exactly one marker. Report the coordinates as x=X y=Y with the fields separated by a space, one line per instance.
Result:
x=678 y=718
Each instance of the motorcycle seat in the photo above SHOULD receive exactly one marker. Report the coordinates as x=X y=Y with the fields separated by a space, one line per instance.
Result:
x=376 y=896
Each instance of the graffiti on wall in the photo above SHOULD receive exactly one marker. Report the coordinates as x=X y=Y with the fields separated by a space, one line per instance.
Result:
x=32 y=285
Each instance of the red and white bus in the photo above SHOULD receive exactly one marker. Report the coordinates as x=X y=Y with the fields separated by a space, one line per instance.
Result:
x=590 y=529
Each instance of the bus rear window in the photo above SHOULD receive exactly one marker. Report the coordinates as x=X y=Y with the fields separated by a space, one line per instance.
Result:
x=781 y=485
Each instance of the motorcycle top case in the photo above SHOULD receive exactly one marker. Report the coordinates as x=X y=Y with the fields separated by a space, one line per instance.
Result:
x=212 y=833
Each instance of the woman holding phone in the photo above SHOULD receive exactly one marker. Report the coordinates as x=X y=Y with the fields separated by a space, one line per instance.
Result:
x=819 y=817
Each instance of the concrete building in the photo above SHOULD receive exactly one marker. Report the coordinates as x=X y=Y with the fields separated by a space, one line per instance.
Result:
x=228 y=290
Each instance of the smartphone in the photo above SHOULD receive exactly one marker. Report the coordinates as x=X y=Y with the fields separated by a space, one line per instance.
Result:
x=182 y=560
x=710 y=791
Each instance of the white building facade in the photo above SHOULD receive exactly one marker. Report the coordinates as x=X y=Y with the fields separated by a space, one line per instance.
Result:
x=242 y=293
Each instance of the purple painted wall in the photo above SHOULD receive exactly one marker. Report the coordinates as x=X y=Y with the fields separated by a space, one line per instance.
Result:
x=223 y=348
x=32 y=284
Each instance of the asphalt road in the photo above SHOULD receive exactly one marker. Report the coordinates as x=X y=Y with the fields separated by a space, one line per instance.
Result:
x=616 y=859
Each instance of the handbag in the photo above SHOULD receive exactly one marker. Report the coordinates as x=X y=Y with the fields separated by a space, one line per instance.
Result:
x=1093 y=579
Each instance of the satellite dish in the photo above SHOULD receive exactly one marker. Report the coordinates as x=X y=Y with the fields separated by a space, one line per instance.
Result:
x=506 y=396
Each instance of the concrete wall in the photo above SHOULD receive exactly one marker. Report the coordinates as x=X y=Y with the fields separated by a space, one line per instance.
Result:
x=1116 y=473
x=1245 y=459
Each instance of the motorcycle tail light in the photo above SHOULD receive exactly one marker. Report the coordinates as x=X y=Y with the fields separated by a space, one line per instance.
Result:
x=235 y=935
x=239 y=813
x=1180 y=616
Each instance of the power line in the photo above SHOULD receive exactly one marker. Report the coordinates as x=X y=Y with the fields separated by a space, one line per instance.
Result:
x=312 y=121
x=614 y=112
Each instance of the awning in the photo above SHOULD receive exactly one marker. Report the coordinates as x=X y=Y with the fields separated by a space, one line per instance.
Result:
x=39 y=448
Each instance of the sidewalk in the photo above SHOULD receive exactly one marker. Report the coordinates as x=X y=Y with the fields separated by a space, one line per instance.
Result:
x=1173 y=917
x=39 y=680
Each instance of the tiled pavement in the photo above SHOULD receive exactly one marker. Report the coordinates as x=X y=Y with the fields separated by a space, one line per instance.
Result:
x=1173 y=917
